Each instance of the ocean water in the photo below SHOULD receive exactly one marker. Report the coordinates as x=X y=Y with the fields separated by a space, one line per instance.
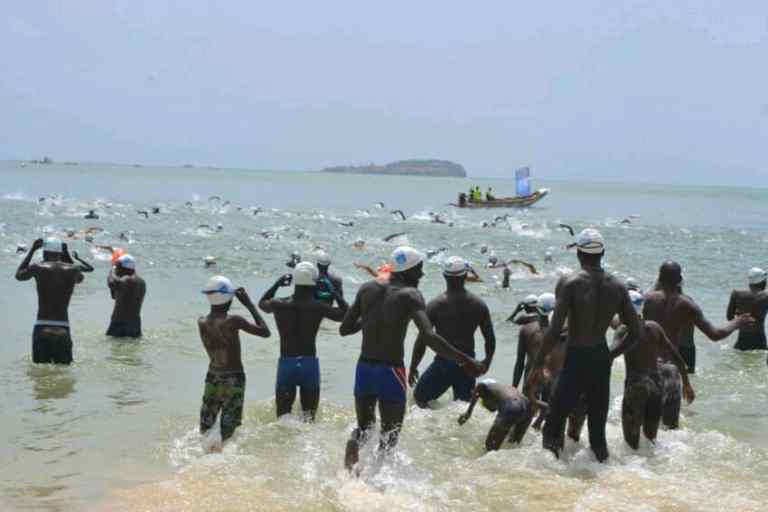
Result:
x=118 y=429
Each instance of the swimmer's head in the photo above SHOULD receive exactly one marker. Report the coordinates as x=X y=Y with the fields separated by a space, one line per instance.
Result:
x=493 y=260
x=305 y=274
x=670 y=275
x=359 y=243
x=323 y=259
x=455 y=266
x=545 y=303
x=637 y=300
x=219 y=291
x=631 y=284
x=590 y=241
x=126 y=263
x=209 y=261
x=757 y=277
x=52 y=249
x=408 y=263
x=530 y=302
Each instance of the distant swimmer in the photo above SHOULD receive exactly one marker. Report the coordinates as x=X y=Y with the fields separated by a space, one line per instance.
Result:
x=389 y=238
x=328 y=284
x=209 y=261
x=548 y=257
x=155 y=210
x=513 y=412
x=678 y=314
x=220 y=333
x=588 y=300
x=755 y=302
x=398 y=212
x=21 y=248
x=506 y=275
x=56 y=280
x=483 y=248
x=380 y=205
x=348 y=224
x=298 y=319
x=626 y=221
x=145 y=213
x=382 y=274
x=128 y=291
x=567 y=228
x=219 y=227
x=92 y=215
x=124 y=237
x=642 y=404
x=458 y=329
x=359 y=244
x=382 y=311
x=431 y=253
x=294 y=260
x=529 y=266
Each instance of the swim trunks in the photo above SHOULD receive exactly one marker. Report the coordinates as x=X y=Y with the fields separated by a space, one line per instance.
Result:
x=381 y=380
x=224 y=392
x=671 y=394
x=641 y=405
x=51 y=342
x=120 y=329
x=688 y=353
x=441 y=375
x=750 y=341
x=302 y=372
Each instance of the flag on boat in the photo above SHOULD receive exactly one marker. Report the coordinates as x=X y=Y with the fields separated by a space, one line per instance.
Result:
x=522 y=179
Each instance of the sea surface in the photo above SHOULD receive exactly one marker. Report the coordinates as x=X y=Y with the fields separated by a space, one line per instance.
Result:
x=117 y=431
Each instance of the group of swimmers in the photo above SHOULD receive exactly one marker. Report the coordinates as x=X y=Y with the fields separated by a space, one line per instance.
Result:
x=564 y=360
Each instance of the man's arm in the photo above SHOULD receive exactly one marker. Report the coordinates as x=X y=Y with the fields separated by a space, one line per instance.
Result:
x=465 y=417
x=486 y=327
x=258 y=327
x=678 y=361
x=631 y=320
x=352 y=322
x=84 y=265
x=419 y=349
x=265 y=303
x=716 y=333
x=367 y=268
x=520 y=361
x=333 y=313
x=25 y=272
x=730 y=312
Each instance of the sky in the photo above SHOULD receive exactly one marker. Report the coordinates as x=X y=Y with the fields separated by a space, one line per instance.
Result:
x=630 y=90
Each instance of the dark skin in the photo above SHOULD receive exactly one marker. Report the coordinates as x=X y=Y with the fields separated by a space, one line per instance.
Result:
x=298 y=319
x=128 y=291
x=642 y=359
x=220 y=333
x=678 y=314
x=55 y=281
x=493 y=394
x=337 y=283
x=456 y=315
x=382 y=312
x=753 y=301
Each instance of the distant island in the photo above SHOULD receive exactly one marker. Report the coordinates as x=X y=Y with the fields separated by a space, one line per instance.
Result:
x=440 y=168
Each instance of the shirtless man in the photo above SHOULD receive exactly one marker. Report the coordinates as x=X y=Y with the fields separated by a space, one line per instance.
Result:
x=456 y=315
x=530 y=338
x=755 y=302
x=383 y=311
x=678 y=314
x=128 y=291
x=588 y=299
x=643 y=386
x=220 y=334
x=327 y=283
x=298 y=319
x=514 y=412
x=56 y=280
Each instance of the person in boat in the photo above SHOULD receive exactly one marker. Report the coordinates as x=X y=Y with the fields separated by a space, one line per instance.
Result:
x=478 y=195
x=489 y=195
x=471 y=195
x=755 y=301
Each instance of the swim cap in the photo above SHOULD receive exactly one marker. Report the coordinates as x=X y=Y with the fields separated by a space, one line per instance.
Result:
x=405 y=258
x=117 y=253
x=756 y=275
x=127 y=262
x=53 y=245
x=487 y=381
x=323 y=258
x=455 y=267
x=546 y=303
x=637 y=300
x=531 y=300
x=590 y=241
x=305 y=274
x=219 y=290
x=632 y=284
x=210 y=260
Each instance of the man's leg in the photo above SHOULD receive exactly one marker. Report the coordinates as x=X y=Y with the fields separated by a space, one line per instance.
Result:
x=633 y=413
x=652 y=413
x=566 y=395
x=499 y=431
x=285 y=385
x=392 y=414
x=671 y=395
x=211 y=405
x=310 y=388
x=598 y=400
x=365 y=408
x=463 y=384
x=432 y=384
x=232 y=408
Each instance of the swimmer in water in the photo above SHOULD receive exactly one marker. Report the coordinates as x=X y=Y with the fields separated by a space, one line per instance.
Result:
x=220 y=333
x=145 y=213
x=359 y=244
x=588 y=299
x=459 y=331
x=398 y=212
x=56 y=278
x=328 y=284
x=513 y=412
x=128 y=291
x=641 y=406
x=548 y=257
x=209 y=261
x=91 y=215
x=382 y=311
x=295 y=260
x=678 y=314
x=298 y=319
x=753 y=301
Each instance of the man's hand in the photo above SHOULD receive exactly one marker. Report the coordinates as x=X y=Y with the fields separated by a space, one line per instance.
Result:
x=413 y=377
x=243 y=297
x=744 y=320
x=532 y=385
x=285 y=280
x=688 y=393
x=37 y=244
x=463 y=418
x=473 y=367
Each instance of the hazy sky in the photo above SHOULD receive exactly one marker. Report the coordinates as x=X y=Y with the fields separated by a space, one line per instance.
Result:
x=658 y=91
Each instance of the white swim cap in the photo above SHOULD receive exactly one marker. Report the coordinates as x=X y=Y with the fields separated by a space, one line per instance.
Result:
x=219 y=290
x=210 y=260
x=127 y=262
x=590 y=241
x=405 y=258
x=637 y=300
x=487 y=381
x=455 y=266
x=305 y=274
x=631 y=284
x=756 y=275
x=531 y=300
x=323 y=258
x=546 y=303
x=53 y=245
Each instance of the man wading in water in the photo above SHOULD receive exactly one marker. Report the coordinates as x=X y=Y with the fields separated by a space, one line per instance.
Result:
x=56 y=280
x=588 y=299
x=128 y=291
x=754 y=301
x=382 y=311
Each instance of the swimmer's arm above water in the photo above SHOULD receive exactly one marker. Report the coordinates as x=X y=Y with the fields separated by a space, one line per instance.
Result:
x=465 y=417
x=25 y=272
x=265 y=304
x=258 y=327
